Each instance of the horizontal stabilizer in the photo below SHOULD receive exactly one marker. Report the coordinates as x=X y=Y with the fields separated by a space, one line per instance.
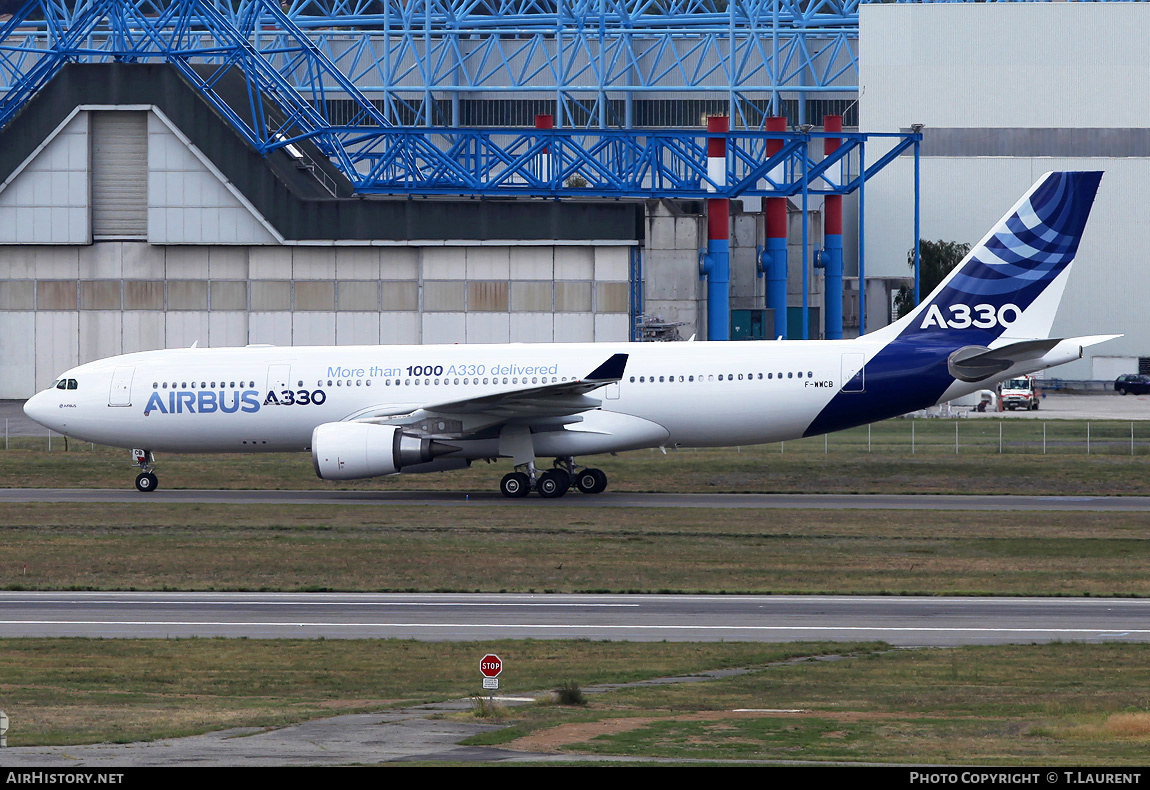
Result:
x=977 y=363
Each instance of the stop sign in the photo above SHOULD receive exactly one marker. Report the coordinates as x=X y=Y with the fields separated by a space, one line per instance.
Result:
x=491 y=665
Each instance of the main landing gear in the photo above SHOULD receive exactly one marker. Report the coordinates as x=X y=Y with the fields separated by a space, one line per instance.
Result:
x=553 y=483
x=146 y=481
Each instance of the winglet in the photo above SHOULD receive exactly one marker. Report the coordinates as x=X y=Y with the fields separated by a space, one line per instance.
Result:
x=611 y=370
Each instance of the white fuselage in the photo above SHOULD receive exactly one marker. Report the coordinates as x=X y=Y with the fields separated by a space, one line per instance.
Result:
x=262 y=399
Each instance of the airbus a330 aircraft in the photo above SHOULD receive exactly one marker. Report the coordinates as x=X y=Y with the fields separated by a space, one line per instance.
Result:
x=366 y=411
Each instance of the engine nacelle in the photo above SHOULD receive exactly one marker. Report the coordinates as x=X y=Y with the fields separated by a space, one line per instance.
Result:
x=354 y=450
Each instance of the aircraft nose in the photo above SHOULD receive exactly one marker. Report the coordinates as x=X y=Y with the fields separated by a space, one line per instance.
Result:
x=38 y=408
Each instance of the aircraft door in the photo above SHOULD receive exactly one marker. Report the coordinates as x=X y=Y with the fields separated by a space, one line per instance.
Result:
x=120 y=393
x=279 y=378
x=612 y=391
x=854 y=372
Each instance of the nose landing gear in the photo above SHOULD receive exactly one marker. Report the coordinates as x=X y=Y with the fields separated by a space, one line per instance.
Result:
x=146 y=481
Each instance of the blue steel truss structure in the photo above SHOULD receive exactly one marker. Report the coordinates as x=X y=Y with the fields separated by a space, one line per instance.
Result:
x=377 y=84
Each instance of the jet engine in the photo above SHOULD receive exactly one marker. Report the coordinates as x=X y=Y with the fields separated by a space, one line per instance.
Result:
x=353 y=450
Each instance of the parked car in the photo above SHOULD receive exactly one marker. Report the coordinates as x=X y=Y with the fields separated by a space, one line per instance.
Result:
x=1136 y=383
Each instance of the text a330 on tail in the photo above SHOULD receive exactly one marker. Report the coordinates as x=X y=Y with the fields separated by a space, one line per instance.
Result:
x=366 y=411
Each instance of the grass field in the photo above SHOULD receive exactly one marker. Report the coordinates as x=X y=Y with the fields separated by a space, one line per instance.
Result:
x=896 y=456
x=543 y=548
x=1037 y=704
x=1058 y=704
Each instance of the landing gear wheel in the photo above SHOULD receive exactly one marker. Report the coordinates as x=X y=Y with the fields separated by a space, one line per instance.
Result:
x=591 y=481
x=553 y=483
x=147 y=482
x=515 y=485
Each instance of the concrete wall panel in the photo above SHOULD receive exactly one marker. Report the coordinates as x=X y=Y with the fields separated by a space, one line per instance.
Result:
x=574 y=263
x=358 y=295
x=228 y=263
x=357 y=263
x=46 y=263
x=400 y=295
x=574 y=327
x=227 y=329
x=532 y=327
x=313 y=329
x=17 y=295
x=143 y=331
x=143 y=294
x=444 y=328
x=100 y=295
x=532 y=263
x=270 y=263
x=612 y=297
x=18 y=356
x=102 y=261
x=444 y=263
x=313 y=263
x=141 y=261
x=271 y=295
x=613 y=263
x=314 y=295
x=187 y=263
x=612 y=328
x=229 y=295
x=488 y=328
x=357 y=329
x=400 y=328
x=532 y=296
x=271 y=327
x=572 y=297
x=487 y=296
x=444 y=296
x=56 y=295
x=488 y=263
x=186 y=328
x=399 y=263
x=187 y=295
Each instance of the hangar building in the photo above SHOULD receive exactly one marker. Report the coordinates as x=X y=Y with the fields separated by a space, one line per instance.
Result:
x=1007 y=92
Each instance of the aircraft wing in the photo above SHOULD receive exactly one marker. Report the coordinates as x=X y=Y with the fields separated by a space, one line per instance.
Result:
x=541 y=402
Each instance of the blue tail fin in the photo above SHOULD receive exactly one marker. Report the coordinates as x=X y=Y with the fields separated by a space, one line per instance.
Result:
x=1011 y=282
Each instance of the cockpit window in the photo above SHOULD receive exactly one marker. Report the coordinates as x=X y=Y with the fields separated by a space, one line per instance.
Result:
x=71 y=384
x=61 y=384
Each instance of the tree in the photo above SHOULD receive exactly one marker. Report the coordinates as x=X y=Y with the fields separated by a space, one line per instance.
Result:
x=937 y=258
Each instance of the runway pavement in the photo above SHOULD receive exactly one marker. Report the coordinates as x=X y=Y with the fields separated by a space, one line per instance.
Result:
x=607 y=499
x=904 y=621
